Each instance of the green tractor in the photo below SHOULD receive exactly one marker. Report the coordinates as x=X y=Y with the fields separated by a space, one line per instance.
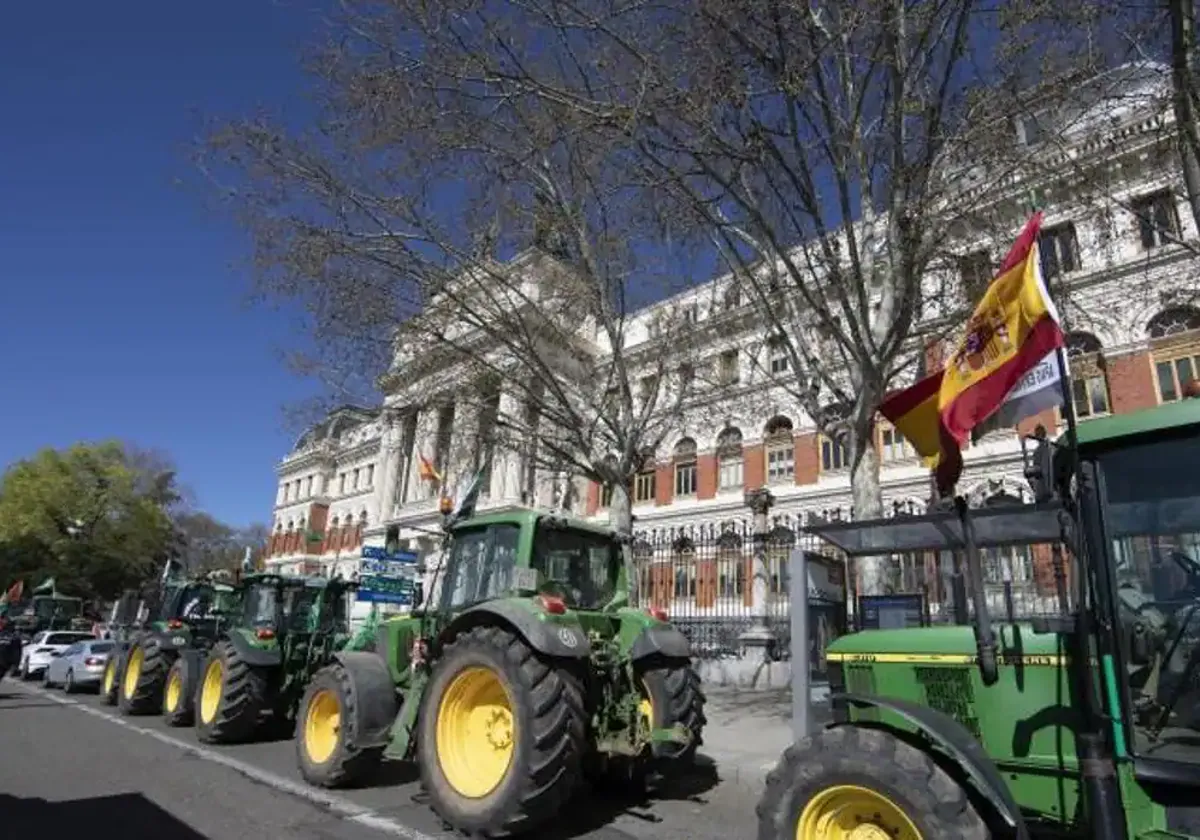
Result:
x=1082 y=723
x=255 y=674
x=158 y=671
x=527 y=670
x=49 y=612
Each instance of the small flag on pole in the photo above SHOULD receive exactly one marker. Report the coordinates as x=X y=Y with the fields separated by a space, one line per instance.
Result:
x=427 y=471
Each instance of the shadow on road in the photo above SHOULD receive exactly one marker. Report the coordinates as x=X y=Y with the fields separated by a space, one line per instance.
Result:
x=596 y=808
x=128 y=815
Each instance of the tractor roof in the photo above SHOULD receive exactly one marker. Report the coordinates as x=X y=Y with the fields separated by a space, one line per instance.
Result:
x=526 y=517
x=1164 y=418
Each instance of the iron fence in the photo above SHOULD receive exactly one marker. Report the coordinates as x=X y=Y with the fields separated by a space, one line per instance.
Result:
x=703 y=576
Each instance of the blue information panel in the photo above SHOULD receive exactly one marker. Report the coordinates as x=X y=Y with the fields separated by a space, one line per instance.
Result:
x=385 y=578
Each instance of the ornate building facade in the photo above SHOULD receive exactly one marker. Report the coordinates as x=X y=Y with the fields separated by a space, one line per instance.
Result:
x=1123 y=262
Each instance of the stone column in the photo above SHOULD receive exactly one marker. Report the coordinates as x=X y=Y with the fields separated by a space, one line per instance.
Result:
x=422 y=445
x=757 y=640
x=390 y=456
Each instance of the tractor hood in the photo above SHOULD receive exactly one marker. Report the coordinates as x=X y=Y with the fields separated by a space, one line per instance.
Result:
x=932 y=645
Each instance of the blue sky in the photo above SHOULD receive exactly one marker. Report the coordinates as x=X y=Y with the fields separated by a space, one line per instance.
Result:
x=122 y=303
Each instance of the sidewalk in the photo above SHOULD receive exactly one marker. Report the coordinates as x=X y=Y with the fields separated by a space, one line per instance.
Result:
x=748 y=731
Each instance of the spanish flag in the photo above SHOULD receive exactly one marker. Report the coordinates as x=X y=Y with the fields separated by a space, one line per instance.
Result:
x=1014 y=331
x=1006 y=362
x=426 y=471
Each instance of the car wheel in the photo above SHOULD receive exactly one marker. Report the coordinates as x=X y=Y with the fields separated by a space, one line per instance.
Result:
x=69 y=685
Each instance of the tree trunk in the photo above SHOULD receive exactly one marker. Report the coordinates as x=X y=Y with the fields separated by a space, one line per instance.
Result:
x=1183 y=84
x=620 y=517
x=874 y=573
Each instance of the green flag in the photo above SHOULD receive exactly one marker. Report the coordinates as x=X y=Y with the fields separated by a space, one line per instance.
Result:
x=45 y=586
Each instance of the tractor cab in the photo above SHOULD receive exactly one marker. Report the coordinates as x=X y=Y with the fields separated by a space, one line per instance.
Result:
x=51 y=612
x=1078 y=715
x=529 y=553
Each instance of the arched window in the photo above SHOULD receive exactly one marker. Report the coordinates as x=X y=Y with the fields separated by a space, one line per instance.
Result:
x=683 y=559
x=834 y=455
x=1175 y=334
x=780 y=449
x=731 y=565
x=1089 y=385
x=685 y=467
x=334 y=541
x=730 y=462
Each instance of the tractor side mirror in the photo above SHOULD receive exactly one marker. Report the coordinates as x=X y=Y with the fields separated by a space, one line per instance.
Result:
x=418 y=595
x=1039 y=465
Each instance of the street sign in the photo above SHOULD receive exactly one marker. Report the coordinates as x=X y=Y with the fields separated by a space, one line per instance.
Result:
x=387 y=578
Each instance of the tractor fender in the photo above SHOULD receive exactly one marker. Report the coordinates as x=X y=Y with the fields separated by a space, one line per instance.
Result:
x=171 y=642
x=952 y=740
x=374 y=696
x=567 y=641
x=661 y=641
x=253 y=656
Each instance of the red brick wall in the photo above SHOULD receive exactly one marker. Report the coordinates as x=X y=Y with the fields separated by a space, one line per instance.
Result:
x=1131 y=384
x=754 y=471
x=593 y=498
x=706 y=476
x=808 y=458
x=1047 y=418
x=664 y=483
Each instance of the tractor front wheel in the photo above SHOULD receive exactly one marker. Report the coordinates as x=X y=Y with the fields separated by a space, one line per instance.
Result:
x=110 y=682
x=850 y=781
x=501 y=735
x=233 y=696
x=326 y=737
x=179 y=695
x=142 y=681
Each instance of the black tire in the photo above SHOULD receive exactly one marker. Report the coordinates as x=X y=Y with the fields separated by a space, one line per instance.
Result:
x=908 y=780
x=676 y=696
x=108 y=690
x=549 y=732
x=239 y=707
x=142 y=678
x=347 y=764
x=179 y=691
x=69 y=686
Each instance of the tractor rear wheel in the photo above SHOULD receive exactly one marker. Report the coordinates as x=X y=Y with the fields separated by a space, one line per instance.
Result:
x=142 y=681
x=501 y=735
x=672 y=695
x=110 y=682
x=849 y=780
x=326 y=736
x=233 y=696
x=179 y=694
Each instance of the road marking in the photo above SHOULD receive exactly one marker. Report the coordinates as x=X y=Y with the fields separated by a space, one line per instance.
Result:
x=331 y=802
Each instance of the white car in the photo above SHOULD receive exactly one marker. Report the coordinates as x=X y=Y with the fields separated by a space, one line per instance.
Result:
x=79 y=666
x=36 y=655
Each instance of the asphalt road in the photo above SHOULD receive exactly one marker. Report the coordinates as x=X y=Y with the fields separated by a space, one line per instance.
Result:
x=72 y=767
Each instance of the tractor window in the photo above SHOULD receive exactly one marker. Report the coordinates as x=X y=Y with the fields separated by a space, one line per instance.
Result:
x=578 y=566
x=261 y=606
x=195 y=603
x=481 y=565
x=1152 y=512
x=51 y=608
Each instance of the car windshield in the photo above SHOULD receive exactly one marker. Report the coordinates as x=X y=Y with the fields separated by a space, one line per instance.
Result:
x=66 y=638
x=102 y=647
x=579 y=566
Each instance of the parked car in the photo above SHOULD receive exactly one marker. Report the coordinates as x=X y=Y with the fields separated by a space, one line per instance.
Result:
x=36 y=655
x=79 y=666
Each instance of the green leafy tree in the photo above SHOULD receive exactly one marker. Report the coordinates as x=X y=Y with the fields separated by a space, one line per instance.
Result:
x=96 y=517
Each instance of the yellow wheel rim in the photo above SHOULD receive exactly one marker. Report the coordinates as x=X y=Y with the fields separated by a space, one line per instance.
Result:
x=646 y=712
x=133 y=672
x=850 y=812
x=322 y=726
x=110 y=677
x=174 y=691
x=476 y=732
x=210 y=691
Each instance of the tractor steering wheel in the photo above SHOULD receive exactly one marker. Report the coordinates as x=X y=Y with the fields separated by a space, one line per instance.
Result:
x=1190 y=567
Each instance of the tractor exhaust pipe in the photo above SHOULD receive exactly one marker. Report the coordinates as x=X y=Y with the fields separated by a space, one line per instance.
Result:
x=985 y=637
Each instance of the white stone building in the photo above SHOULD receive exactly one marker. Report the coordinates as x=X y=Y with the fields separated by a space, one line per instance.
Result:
x=1122 y=260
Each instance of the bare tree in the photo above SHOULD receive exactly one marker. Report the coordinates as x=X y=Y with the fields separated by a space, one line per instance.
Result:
x=484 y=241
